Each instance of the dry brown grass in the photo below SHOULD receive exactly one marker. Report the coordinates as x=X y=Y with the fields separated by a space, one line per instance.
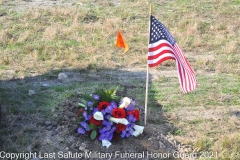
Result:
x=95 y=35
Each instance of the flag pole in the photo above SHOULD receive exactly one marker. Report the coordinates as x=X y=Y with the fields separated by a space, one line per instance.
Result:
x=147 y=77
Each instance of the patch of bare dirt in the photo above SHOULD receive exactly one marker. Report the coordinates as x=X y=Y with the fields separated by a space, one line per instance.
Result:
x=153 y=143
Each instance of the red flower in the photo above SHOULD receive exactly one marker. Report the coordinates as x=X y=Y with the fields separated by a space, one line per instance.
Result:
x=79 y=112
x=103 y=105
x=120 y=127
x=119 y=113
x=135 y=113
x=94 y=121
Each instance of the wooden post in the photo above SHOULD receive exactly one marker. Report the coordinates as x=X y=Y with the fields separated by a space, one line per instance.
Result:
x=147 y=77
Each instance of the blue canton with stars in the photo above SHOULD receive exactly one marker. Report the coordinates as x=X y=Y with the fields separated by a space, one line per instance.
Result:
x=158 y=31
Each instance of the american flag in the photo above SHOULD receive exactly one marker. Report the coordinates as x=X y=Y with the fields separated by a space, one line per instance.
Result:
x=162 y=46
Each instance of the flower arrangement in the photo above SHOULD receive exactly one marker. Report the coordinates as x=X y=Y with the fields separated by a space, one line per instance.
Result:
x=106 y=117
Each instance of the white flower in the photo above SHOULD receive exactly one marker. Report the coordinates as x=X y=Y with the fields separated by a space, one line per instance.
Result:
x=119 y=120
x=106 y=143
x=138 y=130
x=125 y=102
x=98 y=116
x=135 y=133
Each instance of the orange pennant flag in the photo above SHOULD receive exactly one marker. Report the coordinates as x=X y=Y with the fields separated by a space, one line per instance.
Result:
x=121 y=42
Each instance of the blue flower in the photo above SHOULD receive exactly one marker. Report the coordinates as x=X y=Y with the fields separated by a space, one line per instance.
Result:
x=113 y=129
x=106 y=135
x=105 y=129
x=103 y=112
x=81 y=131
x=88 y=117
x=131 y=118
x=110 y=137
x=107 y=123
x=95 y=110
x=131 y=125
x=108 y=116
x=123 y=134
x=96 y=97
x=85 y=115
x=108 y=128
x=133 y=103
x=84 y=124
x=101 y=137
x=127 y=132
x=90 y=103
x=131 y=106
x=102 y=130
x=106 y=132
x=109 y=109
x=113 y=104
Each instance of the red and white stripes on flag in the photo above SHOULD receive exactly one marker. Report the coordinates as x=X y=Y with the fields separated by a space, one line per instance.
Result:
x=162 y=46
